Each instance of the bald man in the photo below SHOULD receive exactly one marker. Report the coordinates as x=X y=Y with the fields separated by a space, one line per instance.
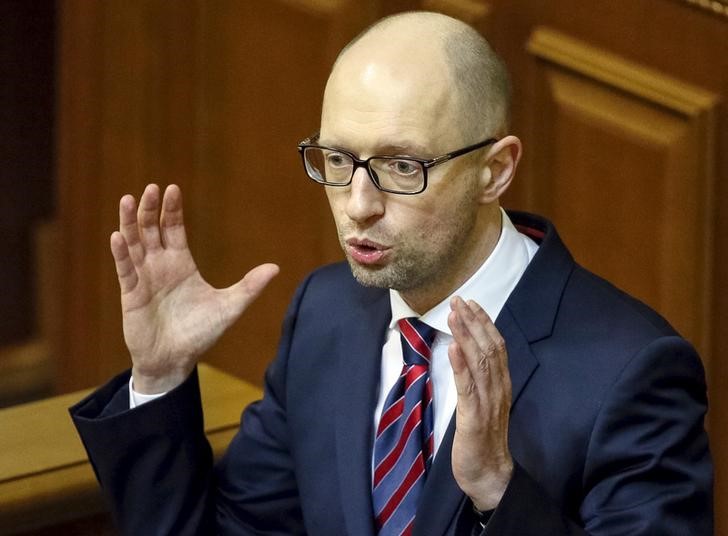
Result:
x=395 y=404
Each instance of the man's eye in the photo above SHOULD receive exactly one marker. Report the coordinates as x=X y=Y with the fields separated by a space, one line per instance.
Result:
x=404 y=167
x=336 y=160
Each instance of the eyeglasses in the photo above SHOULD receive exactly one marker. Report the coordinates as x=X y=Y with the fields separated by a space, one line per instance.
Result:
x=395 y=174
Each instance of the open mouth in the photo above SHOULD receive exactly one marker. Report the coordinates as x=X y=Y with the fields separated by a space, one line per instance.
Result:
x=365 y=251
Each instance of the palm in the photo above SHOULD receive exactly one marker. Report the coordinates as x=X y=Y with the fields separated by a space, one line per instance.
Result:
x=170 y=289
x=171 y=314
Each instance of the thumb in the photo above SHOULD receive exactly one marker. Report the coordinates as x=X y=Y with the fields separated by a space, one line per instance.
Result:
x=245 y=291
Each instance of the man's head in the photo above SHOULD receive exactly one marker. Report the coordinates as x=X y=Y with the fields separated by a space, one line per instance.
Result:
x=474 y=71
x=422 y=85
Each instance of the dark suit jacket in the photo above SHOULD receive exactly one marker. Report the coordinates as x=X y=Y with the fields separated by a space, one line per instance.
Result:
x=606 y=425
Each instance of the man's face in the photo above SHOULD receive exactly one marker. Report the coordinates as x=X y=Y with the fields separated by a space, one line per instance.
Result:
x=419 y=244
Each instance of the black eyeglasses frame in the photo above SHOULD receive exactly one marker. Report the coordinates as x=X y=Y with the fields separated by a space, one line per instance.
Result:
x=426 y=164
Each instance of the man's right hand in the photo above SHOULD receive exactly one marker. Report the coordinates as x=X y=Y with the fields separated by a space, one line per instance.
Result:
x=171 y=314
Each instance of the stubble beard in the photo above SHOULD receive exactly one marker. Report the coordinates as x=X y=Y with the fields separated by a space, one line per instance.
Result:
x=422 y=261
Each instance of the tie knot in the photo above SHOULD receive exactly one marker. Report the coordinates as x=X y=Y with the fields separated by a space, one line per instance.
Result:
x=417 y=340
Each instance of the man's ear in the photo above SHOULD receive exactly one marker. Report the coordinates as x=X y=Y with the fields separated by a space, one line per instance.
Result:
x=499 y=168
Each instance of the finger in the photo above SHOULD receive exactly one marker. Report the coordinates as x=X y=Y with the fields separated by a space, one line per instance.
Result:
x=481 y=351
x=484 y=331
x=124 y=265
x=464 y=382
x=481 y=328
x=497 y=353
x=172 y=220
x=129 y=228
x=460 y=331
x=470 y=336
x=245 y=291
x=148 y=217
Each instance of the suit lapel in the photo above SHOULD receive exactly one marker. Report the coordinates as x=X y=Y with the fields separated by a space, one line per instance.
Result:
x=441 y=497
x=521 y=362
x=360 y=348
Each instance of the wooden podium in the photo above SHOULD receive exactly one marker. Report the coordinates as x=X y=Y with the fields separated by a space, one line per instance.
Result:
x=47 y=485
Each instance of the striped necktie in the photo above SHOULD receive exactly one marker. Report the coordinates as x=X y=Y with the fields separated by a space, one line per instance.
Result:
x=404 y=446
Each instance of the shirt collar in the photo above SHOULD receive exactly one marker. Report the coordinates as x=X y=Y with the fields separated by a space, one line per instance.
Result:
x=489 y=286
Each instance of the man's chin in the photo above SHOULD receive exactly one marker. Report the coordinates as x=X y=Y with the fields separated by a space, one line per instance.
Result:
x=372 y=275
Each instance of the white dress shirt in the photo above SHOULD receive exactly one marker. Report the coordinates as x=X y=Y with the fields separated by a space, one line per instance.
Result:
x=490 y=287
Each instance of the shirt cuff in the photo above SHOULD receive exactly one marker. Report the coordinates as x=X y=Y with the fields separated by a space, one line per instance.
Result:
x=137 y=399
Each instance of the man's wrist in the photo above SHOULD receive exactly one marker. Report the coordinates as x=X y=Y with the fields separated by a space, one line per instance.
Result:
x=491 y=492
x=145 y=384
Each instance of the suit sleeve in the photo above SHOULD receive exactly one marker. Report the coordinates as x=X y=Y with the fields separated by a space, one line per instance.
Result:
x=648 y=468
x=156 y=468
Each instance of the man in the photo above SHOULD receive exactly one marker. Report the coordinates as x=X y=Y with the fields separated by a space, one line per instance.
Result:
x=395 y=405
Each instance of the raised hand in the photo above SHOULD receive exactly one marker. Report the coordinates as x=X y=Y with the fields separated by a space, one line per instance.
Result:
x=171 y=314
x=481 y=461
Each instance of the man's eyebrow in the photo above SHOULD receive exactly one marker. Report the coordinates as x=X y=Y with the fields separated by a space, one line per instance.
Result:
x=399 y=148
x=403 y=148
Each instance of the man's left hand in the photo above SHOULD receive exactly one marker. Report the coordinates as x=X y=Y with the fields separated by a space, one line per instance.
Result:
x=481 y=462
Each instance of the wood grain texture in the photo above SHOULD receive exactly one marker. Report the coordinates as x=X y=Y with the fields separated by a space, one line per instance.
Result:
x=714 y=7
x=474 y=12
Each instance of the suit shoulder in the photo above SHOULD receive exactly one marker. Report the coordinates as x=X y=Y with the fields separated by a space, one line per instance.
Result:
x=603 y=302
x=333 y=271
x=335 y=283
x=330 y=277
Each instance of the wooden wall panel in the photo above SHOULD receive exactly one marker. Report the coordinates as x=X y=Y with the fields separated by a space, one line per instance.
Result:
x=716 y=7
x=27 y=47
x=124 y=118
x=474 y=12
x=625 y=168
x=250 y=201
x=78 y=171
x=26 y=154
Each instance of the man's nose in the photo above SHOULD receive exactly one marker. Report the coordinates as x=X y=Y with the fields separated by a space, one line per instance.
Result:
x=365 y=199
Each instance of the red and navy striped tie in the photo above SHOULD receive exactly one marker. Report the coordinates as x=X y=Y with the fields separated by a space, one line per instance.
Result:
x=404 y=446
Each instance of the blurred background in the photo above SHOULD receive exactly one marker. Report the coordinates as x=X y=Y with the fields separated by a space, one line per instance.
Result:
x=620 y=104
